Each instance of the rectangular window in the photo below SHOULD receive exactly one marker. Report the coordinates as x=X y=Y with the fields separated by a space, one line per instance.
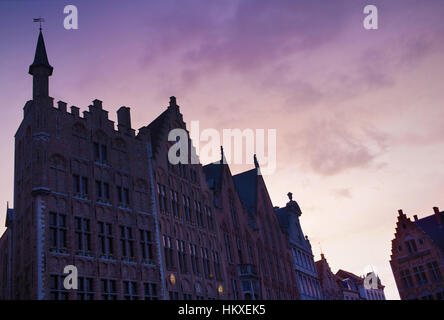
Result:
x=109 y=289
x=123 y=197
x=168 y=251
x=146 y=246
x=174 y=295
x=199 y=215
x=234 y=284
x=420 y=275
x=100 y=153
x=182 y=256
x=217 y=269
x=80 y=186
x=435 y=273
x=150 y=291
x=106 y=239
x=102 y=191
x=130 y=290
x=239 y=250
x=228 y=247
x=175 y=203
x=58 y=231
x=411 y=246
x=56 y=289
x=194 y=259
x=162 y=198
x=406 y=278
x=82 y=236
x=187 y=208
x=206 y=262
x=85 y=289
x=126 y=242
x=210 y=220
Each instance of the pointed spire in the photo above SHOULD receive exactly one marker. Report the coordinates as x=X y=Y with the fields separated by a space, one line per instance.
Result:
x=222 y=156
x=40 y=57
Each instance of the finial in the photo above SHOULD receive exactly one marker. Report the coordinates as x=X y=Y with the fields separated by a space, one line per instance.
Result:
x=40 y=20
x=222 y=156
x=290 y=196
x=256 y=164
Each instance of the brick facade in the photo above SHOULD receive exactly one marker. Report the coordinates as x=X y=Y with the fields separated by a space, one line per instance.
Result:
x=417 y=258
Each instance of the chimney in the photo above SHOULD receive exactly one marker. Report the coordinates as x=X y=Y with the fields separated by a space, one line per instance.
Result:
x=438 y=215
x=415 y=216
x=62 y=106
x=322 y=256
x=124 y=118
x=97 y=103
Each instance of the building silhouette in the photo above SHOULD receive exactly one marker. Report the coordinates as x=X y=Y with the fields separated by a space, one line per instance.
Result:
x=417 y=258
x=330 y=286
x=303 y=260
x=109 y=202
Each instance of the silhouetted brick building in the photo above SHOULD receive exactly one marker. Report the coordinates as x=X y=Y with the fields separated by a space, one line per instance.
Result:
x=136 y=227
x=258 y=257
x=303 y=262
x=417 y=258
x=331 y=289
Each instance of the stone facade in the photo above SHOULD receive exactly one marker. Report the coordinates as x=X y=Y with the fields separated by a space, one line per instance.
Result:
x=417 y=258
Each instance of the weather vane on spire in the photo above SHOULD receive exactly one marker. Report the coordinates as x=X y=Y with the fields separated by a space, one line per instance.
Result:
x=40 y=20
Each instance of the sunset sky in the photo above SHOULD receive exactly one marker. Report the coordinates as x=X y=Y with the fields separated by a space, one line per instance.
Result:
x=359 y=114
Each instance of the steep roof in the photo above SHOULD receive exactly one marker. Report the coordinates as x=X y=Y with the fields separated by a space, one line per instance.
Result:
x=9 y=217
x=213 y=174
x=40 y=57
x=246 y=185
x=157 y=127
x=429 y=225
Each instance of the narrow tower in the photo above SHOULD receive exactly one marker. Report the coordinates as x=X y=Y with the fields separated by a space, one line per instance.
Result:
x=40 y=70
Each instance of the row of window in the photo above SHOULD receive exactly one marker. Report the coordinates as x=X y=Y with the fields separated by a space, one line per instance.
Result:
x=309 y=286
x=132 y=290
x=302 y=259
x=102 y=189
x=190 y=258
x=190 y=211
x=422 y=274
x=106 y=239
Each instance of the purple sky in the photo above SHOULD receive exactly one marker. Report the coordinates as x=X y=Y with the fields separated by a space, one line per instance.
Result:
x=358 y=113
